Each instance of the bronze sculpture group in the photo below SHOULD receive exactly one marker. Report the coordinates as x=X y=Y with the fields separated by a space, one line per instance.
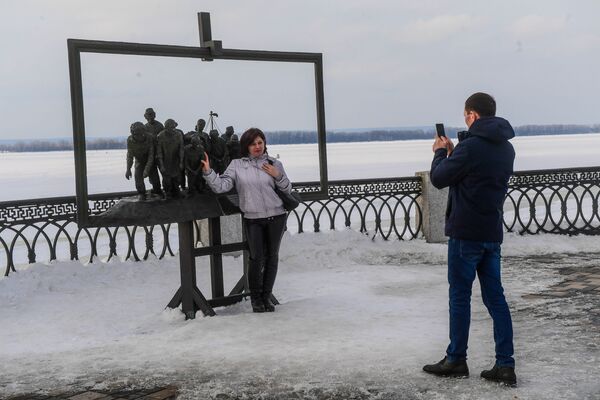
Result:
x=154 y=148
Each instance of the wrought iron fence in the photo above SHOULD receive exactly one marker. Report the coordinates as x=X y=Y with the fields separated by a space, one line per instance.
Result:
x=550 y=201
x=561 y=201
x=386 y=207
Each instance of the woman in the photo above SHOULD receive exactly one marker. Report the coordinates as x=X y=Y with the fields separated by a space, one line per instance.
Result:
x=255 y=177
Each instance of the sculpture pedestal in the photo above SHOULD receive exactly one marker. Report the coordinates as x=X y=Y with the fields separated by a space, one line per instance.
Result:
x=206 y=207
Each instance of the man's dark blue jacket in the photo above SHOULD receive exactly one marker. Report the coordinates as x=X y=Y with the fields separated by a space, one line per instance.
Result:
x=477 y=172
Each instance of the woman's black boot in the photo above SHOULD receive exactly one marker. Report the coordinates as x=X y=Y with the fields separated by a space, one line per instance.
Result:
x=269 y=306
x=257 y=304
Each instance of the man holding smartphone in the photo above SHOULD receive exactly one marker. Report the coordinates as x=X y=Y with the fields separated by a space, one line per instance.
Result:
x=477 y=172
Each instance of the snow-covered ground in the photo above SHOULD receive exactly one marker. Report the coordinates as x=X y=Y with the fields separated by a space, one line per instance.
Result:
x=36 y=175
x=358 y=318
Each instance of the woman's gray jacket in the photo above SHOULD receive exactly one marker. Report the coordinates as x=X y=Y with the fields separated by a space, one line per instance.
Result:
x=255 y=187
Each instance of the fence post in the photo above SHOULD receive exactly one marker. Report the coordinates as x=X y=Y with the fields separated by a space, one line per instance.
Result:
x=433 y=209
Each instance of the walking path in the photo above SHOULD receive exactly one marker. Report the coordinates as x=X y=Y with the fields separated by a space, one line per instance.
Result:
x=160 y=393
x=575 y=282
x=356 y=322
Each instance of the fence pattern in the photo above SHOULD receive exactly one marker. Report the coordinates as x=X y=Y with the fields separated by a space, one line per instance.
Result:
x=561 y=201
x=385 y=207
x=548 y=201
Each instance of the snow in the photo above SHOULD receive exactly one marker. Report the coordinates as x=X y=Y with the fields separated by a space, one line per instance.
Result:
x=358 y=317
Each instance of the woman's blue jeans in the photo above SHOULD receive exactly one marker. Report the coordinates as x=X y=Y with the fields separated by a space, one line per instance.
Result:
x=465 y=259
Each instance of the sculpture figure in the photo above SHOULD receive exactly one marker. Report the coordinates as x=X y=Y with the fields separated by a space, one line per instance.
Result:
x=203 y=135
x=233 y=148
x=228 y=134
x=154 y=127
x=140 y=148
x=169 y=154
x=194 y=155
x=187 y=137
x=182 y=176
x=218 y=152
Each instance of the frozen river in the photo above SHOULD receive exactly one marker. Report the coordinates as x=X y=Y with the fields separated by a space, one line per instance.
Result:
x=35 y=175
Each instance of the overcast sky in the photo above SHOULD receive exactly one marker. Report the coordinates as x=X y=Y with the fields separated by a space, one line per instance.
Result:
x=386 y=63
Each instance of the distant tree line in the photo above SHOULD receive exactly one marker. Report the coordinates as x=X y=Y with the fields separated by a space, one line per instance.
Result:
x=534 y=130
x=37 y=145
x=295 y=137
x=62 y=145
x=298 y=137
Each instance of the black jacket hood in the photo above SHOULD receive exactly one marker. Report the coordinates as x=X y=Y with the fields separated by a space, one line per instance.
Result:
x=495 y=129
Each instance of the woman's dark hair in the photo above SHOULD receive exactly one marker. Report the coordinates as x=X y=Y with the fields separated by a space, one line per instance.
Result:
x=249 y=137
x=482 y=103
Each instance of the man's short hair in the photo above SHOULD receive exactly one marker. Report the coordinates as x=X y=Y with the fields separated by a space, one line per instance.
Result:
x=482 y=103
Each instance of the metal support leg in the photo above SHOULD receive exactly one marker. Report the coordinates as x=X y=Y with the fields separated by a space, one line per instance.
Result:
x=216 y=259
x=188 y=295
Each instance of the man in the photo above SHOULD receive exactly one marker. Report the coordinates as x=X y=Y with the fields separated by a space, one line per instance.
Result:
x=154 y=127
x=233 y=148
x=182 y=176
x=477 y=172
x=219 y=157
x=169 y=155
x=193 y=156
x=203 y=135
x=140 y=147
x=228 y=134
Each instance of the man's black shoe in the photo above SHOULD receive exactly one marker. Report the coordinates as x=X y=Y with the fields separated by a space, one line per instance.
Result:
x=455 y=369
x=500 y=374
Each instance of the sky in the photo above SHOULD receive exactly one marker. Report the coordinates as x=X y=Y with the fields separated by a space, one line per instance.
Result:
x=386 y=63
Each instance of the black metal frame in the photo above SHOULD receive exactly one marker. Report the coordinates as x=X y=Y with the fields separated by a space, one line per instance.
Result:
x=211 y=50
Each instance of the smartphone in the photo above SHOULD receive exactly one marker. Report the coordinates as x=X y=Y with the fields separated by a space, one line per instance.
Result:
x=439 y=128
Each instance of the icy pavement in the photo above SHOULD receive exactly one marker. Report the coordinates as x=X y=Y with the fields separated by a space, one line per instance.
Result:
x=358 y=320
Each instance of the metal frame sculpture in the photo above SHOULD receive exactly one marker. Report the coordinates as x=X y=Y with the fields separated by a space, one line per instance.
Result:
x=210 y=50
x=188 y=294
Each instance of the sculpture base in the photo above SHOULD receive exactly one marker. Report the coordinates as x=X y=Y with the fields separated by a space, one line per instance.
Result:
x=130 y=211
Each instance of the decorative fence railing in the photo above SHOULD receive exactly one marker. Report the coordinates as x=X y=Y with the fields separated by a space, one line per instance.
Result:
x=550 y=201
x=386 y=207
x=561 y=201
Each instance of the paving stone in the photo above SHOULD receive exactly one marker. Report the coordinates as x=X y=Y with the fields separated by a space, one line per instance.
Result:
x=556 y=293
x=129 y=394
x=574 y=285
x=567 y=271
x=31 y=396
x=165 y=394
x=579 y=275
x=589 y=288
x=534 y=296
x=88 y=396
x=577 y=281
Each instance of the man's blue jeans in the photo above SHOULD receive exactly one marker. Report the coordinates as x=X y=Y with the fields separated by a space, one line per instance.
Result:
x=465 y=259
